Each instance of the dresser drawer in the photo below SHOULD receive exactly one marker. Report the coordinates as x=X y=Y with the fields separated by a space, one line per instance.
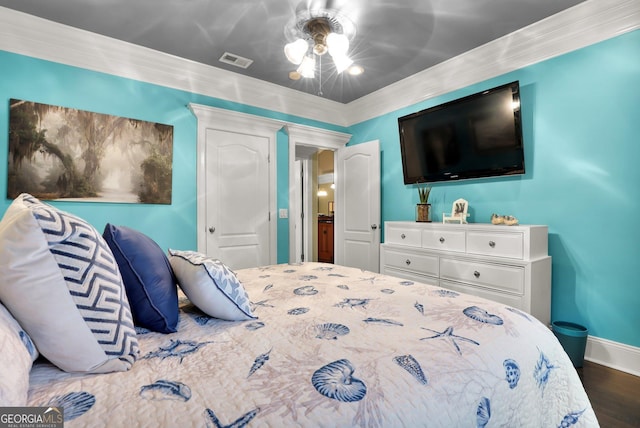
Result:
x=508 y=279
x=412 y=276
x=403 y=236
x=409 y=261
x=444 y=240
x=497 y=296
x=498 y=244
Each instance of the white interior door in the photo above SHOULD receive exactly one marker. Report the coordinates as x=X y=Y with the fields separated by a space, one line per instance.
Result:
x=357 y=219
x=237 y=199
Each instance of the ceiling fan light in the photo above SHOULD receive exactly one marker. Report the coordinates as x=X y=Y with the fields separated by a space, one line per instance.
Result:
x=295 y=51
x=294 y=75
x=355 y=70
x=338 y=44
x=342 y=62
x=307 y=67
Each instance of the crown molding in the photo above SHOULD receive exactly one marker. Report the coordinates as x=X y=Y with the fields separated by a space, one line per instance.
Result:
x=32 y=36
x=584 y=24
x=587 y=23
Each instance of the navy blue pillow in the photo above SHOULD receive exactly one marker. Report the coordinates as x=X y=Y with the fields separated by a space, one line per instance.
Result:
x=147 y=276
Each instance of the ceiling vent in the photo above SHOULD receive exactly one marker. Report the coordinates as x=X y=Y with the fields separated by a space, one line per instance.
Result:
x=238 y=61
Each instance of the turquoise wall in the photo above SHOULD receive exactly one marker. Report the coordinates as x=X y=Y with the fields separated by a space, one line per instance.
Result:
x=282 y=162
x=171 y=226
x=581 y=124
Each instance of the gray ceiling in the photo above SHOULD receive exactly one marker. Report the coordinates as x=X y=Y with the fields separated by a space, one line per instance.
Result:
x=394 y=38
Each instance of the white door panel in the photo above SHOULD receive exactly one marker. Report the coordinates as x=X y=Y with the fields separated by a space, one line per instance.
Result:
x=237 y=201
x=358 y=208
x=356 y=253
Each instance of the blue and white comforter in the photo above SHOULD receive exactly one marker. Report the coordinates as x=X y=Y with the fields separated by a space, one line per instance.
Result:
x=335 y=346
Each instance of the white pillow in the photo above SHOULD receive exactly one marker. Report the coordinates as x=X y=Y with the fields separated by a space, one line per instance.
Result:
x=61 y=282
x=211 y=286
x=17 y=354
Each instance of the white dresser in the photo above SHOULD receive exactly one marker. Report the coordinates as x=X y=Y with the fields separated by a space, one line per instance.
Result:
x=508 y=264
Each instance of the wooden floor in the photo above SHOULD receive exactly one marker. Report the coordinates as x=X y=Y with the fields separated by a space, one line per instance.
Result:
x=614 y=395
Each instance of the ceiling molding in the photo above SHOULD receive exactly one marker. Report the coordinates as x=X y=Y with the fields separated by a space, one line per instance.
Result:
x=582 y=25
x=32 y=36
x=587 y=23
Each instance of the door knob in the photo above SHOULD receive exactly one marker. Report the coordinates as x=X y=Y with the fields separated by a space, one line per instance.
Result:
x=374 y=226
x=212 y=229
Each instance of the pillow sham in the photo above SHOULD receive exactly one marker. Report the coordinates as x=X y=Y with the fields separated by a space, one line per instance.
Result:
x=147 y=277
x=17 y=354
x=211 y=286
x=61 y=282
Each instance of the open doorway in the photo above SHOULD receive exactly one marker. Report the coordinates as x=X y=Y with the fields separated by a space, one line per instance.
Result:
x=308 y=139
x=326 y=206
x=315 y=194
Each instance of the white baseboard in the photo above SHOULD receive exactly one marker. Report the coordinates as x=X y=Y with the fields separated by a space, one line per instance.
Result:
x=612 y=354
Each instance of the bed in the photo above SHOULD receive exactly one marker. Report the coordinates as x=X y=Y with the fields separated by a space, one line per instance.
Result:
x=327 y=345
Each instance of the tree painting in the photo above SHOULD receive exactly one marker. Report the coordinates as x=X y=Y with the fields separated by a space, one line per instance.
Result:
x=67 y=154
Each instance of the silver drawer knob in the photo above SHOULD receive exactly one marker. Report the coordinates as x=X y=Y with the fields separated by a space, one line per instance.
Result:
x=408 y=262
x=403 y=236
x=441 y=240
x=492 y=244
x=476 y=274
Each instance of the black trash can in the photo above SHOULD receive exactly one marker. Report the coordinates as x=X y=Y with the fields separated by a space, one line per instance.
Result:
x=573 y=338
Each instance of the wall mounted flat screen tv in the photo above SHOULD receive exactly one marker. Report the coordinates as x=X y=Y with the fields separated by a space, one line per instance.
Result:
x=477 y=136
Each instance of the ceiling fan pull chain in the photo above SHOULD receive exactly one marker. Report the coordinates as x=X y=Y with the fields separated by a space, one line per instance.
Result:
x=320 y=76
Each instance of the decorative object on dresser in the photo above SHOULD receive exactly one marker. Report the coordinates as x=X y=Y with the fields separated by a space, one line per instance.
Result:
x=458 y=212
x=507 y=264
x=509 y=220
x=423 y=209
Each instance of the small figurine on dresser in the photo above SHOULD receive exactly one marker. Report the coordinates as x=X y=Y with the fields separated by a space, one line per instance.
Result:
x=509 y=220
x=459 y=212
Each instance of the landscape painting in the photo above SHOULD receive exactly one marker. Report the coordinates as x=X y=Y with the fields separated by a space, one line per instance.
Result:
x=59 y=153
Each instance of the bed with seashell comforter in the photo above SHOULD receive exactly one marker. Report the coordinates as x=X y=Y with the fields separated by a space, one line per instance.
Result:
x=334 y=346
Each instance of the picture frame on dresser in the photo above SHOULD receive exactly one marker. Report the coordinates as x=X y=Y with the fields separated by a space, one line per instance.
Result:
x=507 y=264
x=459 y=212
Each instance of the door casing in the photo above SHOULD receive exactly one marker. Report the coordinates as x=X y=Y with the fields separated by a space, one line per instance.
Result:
x=212 y=118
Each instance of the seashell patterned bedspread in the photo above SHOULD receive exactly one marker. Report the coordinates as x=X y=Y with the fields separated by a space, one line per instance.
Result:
x=335 y=347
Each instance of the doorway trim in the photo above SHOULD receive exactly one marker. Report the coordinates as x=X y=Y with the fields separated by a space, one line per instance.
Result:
x=306 y=136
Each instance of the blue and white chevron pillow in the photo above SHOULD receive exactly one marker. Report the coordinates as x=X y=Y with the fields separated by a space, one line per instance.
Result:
x=61 y=282
x=211 y=286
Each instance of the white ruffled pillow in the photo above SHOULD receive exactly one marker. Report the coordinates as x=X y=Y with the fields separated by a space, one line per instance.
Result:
x=17 y=354
x=211 y=286
x=62 y=283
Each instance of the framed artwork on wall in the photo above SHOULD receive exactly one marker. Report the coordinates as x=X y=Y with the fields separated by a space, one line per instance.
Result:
x=59 y=153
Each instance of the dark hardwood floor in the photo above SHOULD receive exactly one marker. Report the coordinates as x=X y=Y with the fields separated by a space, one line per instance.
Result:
x=614 y=395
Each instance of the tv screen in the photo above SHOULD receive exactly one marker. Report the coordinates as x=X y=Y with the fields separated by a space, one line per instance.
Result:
x=472 y=137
